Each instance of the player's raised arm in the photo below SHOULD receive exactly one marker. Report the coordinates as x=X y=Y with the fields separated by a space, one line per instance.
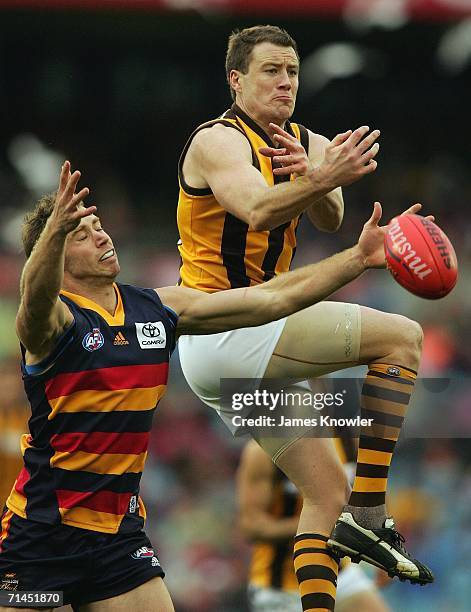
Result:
x=220 y=157
x=203 y=313
x=42 y=316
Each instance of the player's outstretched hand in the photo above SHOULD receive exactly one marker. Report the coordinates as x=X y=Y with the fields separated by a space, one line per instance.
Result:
x=350 y=156
x=291 y=157
x=371 y=241
x=67 y=213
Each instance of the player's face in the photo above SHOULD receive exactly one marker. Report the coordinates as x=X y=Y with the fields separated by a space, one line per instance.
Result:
x=268 y=90
x=90 y=252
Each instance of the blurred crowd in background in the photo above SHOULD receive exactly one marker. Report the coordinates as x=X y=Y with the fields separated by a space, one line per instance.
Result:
x=118 y=93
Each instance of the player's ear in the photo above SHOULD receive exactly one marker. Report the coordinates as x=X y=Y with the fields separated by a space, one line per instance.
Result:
x=234 y=80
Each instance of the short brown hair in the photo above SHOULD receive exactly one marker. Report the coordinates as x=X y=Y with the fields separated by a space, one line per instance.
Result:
x=35 y=221
x=241 y=43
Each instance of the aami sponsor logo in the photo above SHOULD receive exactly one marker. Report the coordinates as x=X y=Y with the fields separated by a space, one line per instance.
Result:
x=93 y=340
x=151 y=335
x=143 y=553
x=410 y=260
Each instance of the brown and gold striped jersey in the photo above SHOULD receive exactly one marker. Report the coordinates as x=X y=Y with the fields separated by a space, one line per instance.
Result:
x=219 y=251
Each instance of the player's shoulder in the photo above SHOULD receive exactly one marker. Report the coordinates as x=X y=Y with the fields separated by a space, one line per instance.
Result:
x=221 y=133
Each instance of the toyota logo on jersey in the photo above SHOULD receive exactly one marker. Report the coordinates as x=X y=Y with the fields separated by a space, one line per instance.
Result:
x=151 y=335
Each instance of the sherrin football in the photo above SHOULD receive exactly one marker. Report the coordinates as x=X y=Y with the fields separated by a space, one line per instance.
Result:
x=420 y=256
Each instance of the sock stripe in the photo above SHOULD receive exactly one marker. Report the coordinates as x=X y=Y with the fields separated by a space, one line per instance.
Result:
x=382 y=418
x=377 y=444
x=318 y=601
x=383 y=432
x=366 y=500
x=316 y=572
x=369 y=485
x=367 y=456
x=399 y=381
x=312 y=550
x=399 y=397
x=310 y=536
x=372 y=403
x=369 y=470
x=326 y=587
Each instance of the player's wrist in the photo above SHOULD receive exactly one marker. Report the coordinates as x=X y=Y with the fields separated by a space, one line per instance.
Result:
x=320 y=179
x=359 y=259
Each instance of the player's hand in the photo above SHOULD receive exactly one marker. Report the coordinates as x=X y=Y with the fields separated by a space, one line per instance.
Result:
x=291 y=157
x=67 y=214
x=371 y=241
x=350 y=156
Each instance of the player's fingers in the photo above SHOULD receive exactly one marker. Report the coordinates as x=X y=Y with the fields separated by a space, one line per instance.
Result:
x=340 y=138
x=71 y=185
x=280 y=131
x=285 y=159
x=271 y=151
x=64 y=176
x=358 y=134
x=85 y=212
x=413 y=210
x=291 y=143
x=78 y=197
x=430 y=218
x=368 y=141
x=371 y=167
x=370 y=154
x=282 y=170
x=376 y=214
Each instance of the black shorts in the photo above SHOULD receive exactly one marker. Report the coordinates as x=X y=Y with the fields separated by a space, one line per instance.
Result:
x=86 y=565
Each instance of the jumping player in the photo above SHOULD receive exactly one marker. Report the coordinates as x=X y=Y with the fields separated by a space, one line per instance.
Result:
x=245 y=179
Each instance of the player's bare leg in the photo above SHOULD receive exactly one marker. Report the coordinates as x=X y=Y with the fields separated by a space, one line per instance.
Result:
x=305 y=351
x=152 y=596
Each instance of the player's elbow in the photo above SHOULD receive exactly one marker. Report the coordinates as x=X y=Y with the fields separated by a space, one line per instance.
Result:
x=332 y=226
x=259 y=221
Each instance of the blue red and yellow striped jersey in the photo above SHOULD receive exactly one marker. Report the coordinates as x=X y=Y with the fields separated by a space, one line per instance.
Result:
x=219 y=251
x=92 y=404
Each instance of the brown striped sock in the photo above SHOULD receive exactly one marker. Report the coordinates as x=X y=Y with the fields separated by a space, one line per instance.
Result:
x=385 y=397
x=316 y=568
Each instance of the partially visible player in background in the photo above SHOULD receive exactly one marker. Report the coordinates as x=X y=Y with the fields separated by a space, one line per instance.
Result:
x=269 y=508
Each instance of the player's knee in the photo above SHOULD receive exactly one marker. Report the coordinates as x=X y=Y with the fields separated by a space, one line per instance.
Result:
x=410 y=338
x=400 y=341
